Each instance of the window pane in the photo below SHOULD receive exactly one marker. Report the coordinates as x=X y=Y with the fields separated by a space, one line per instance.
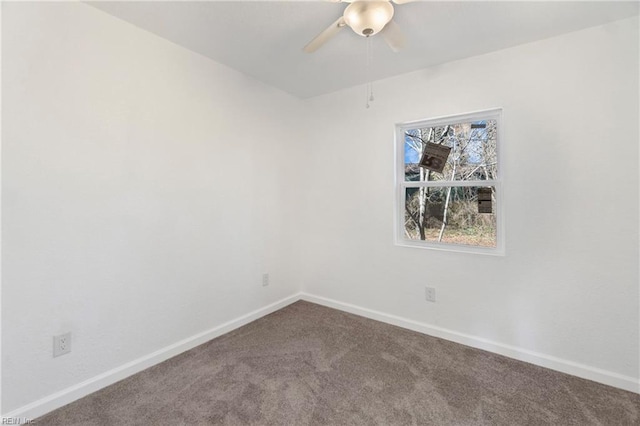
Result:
x=450 y=215
x=473 y=153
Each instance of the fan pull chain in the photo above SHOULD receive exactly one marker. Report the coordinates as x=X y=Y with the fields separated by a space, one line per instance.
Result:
x=369 y=85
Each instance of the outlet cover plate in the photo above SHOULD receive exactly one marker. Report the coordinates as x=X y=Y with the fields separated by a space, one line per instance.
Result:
x=430 y=294
x=61 y=344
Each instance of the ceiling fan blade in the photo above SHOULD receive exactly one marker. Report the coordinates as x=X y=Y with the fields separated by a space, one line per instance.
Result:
x=324 y=36
x=393 y=35
x=402 y=1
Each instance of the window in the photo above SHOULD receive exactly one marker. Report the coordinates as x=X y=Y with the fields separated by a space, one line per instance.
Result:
x=448 y=183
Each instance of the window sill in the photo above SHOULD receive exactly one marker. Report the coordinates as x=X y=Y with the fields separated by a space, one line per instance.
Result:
x=459 y=248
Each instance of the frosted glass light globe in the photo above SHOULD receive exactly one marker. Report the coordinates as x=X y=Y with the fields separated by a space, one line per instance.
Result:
x=367 y=18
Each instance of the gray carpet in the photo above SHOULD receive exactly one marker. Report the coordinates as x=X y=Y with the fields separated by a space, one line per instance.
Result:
x=309 y=365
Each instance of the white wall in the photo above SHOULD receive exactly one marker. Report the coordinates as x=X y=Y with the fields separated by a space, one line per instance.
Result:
x=568 y=286
x=142 y=194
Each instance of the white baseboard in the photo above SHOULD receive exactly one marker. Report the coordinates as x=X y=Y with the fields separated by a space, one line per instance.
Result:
x=66 y=396
x=575 y=369
x=70 y=394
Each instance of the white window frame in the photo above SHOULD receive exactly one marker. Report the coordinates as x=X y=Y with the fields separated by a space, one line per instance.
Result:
x=401 y=184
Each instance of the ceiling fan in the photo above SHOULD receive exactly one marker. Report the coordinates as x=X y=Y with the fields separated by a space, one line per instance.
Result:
x=365 y=18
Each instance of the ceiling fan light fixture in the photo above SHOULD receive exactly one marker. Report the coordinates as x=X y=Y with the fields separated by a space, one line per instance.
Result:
x=367 y=18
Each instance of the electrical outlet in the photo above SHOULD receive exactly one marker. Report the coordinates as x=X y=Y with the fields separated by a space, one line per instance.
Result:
x=430 y=294
x=265 y=280
x=61 y=344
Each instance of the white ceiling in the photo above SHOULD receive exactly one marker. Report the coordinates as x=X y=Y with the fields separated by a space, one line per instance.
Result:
x=264 y=39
